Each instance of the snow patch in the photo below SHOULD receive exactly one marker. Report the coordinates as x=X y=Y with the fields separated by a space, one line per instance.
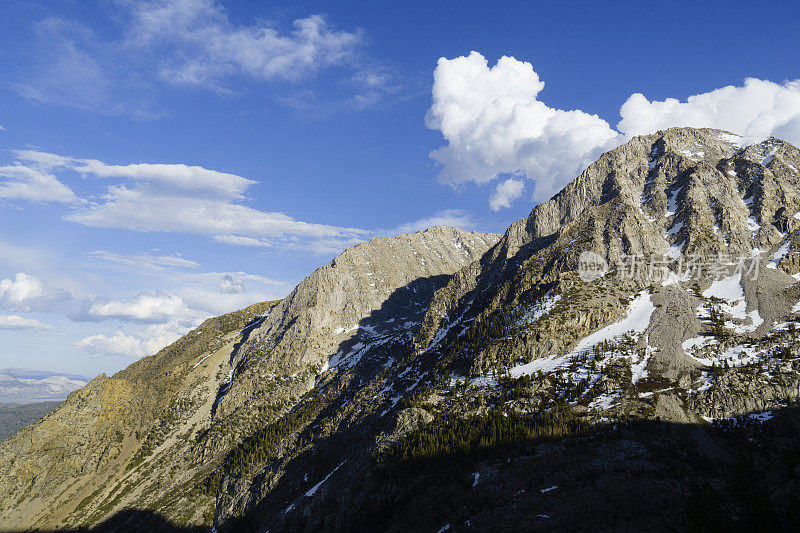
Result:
x=545 y=364
x=739 y=355
x=314 y=489
x=604 y=401
x=676 y=227
x=752 y=224
x=676 y=250
x=761 y=417
x=778 y=255
x=770 y=156
x=731 y=138
x=696 y=343
x=729 y=290
x=636 y=320
x=692 y=155
x=672 y=205
x=672 y=278
x=539 y=309
x=638 y=370
x=203 y=359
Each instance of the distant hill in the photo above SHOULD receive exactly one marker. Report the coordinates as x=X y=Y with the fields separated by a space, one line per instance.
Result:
x=15 y=416
x=23 y=385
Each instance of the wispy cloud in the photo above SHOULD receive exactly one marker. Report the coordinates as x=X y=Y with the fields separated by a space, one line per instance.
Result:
x=67 y=64
x=17 y=322
x=193 y=43
x=144 y=261
x=205 y=46
x=170 y=198
x=33 y=185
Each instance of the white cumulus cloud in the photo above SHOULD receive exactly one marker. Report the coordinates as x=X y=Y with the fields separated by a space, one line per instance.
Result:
x=495 y=123
x=26 y=292
x=505 y=194
x=139 y=344
x=117 y=344
x=759 y=108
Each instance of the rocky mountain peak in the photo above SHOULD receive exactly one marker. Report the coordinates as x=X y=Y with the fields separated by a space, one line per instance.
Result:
x=703 y=170
x=676 y=193
x=372 y=289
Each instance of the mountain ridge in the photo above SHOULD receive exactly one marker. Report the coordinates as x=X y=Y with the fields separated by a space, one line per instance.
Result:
x=335 y=407
x=132 y=408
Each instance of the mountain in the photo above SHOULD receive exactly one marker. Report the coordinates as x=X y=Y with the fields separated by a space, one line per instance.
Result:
x=22 y=385
x=629 y=347
x=154 y=435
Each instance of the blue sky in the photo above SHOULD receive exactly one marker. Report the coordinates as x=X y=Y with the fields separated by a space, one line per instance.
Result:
x=161 y=162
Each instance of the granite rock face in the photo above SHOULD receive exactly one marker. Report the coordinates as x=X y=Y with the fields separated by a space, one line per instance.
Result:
x=371 y=289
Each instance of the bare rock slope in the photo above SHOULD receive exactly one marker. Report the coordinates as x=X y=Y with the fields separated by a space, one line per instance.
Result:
x=151 y=436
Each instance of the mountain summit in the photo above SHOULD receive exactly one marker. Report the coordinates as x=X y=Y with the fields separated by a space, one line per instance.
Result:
x=616 y=349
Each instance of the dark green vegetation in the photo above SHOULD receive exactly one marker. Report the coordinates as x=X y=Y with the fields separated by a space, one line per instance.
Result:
x=15 y=416
x=451 y=441
x=636 y=475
